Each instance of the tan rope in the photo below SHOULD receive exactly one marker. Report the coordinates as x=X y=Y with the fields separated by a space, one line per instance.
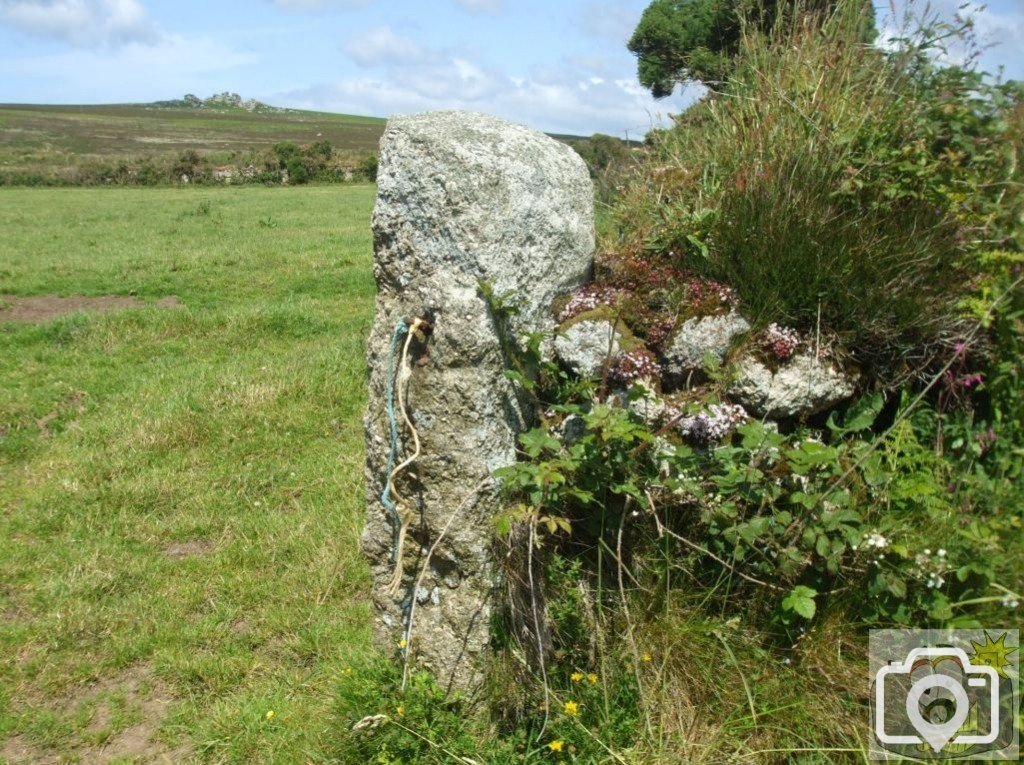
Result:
x=404 y=511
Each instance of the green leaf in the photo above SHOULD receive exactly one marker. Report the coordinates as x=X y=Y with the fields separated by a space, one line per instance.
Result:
x=896 y=586
x=538 y=440
x=860 y=416
x=800 y=601
x=519 y=377
x=822 y=546
x=503 y=524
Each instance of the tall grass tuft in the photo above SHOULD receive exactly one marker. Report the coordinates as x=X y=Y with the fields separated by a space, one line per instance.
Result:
x=824 y=183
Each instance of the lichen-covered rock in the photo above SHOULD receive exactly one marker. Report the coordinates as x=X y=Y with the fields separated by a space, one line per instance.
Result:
x=573 y=429
x=802 y=386
x=461 y=198
x=645 y=404
x=586 y=345
x=697 y=339
x=466 y=193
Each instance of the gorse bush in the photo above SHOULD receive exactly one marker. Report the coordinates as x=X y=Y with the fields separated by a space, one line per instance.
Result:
x=833 y=184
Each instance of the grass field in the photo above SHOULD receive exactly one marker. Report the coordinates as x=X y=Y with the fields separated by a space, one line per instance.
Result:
x=139 y=130
x=181 y=489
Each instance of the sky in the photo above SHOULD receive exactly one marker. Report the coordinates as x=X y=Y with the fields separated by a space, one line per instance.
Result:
x=556 y=65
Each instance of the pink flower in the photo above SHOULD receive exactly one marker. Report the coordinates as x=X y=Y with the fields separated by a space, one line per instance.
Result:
x=971 y=380
x=590 y=297
x=635 y=365
x=987 y=440
x=781 y=341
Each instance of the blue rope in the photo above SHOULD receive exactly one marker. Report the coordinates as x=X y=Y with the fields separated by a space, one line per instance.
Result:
x=401 y=330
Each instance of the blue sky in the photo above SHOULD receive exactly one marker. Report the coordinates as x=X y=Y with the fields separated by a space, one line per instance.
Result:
x=556 y=65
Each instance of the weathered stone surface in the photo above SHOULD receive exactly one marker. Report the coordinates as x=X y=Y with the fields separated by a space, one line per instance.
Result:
x=650 y=407
x=485 y=198
x=574 y=428
x=586 y=345
x=801 y=387
x=698 y=338
x=644 y=403
x=461 y=198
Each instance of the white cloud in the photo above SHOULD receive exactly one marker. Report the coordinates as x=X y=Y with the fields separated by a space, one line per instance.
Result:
x=576 y=95
x=1002 y=35
x=382 y=45
x=998 y=34
x=167 y=68
x=481 y=6
x=557 y=100
x=81 y=22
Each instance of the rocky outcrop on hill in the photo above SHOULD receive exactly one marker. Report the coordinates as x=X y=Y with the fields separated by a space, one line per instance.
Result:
x=225 y=100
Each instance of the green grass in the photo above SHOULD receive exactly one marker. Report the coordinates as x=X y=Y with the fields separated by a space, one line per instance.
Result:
x=181 y=489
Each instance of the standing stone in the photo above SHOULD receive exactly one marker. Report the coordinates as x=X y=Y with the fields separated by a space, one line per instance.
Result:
x=462 y=198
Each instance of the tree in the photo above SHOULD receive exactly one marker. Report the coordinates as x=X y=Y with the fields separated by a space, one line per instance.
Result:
x=679 y=41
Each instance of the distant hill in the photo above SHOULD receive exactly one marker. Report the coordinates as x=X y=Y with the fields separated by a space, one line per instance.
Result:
x=220 y=124
x=66 y=144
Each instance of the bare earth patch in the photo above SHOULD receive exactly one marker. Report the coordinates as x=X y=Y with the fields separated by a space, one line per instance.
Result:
x=45 y=307
x=147 y=700
x=187 y=549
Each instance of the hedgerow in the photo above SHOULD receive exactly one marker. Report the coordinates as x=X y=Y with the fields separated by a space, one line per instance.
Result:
x=284 y=162
x=710 y=577
x=830 y=189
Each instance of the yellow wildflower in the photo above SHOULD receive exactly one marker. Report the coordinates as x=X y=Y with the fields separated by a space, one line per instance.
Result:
x=347 y=671
x=592 y=678
x=270 y=714
x=403 y=643
x=556 y=746
x=576 y=676
x=400 y=711
x=572 y=708
x=646 y=657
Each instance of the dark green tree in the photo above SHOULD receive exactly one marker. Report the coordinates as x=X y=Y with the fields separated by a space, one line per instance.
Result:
x=680 y=41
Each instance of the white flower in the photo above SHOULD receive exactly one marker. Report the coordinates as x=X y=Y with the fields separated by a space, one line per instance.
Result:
x=588 y=298
x=935 y=581
x=713 y=424
x=941 y=553
x=875 y=539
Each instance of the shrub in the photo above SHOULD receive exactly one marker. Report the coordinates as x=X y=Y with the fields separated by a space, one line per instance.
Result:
x=286 y=150
x=298 y=170
x=878 y=195
x=831 y=184
x=368 y=167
